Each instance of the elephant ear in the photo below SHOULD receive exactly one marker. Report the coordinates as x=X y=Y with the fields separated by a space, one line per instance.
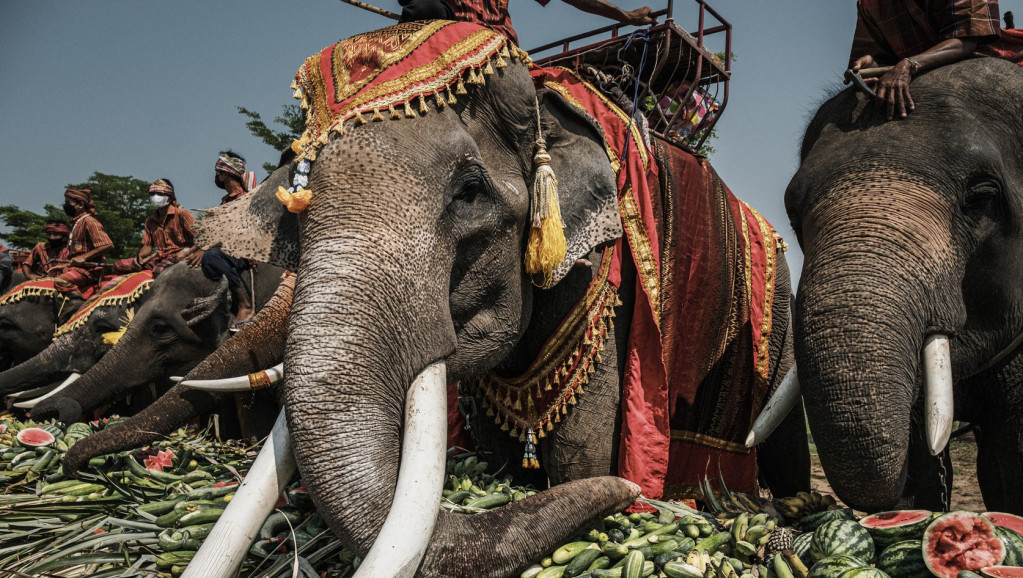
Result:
x=255 y=226
x=209 y=316
x=587 y=192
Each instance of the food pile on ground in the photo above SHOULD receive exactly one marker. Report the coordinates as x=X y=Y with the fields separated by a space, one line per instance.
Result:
x=146 y=512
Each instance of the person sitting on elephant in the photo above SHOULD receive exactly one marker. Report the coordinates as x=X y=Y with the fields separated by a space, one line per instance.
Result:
x=230 y=175
x=917 y=35
x=87 y=245
x=167 y=235
x=494 y=13
x=6 y=265
x=45 y=256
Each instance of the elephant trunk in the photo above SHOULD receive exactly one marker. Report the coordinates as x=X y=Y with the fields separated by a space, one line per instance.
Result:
x=47 y=367
x=258 y=345
x=861 y=322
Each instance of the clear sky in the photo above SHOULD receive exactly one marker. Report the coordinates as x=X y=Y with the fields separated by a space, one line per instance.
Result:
x=150 y=89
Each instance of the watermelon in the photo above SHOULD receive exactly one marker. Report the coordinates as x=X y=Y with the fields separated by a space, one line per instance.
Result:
x=1013 y=546
x=867 y=572
x=835 y=566
x=961 y=541
x=1002 y=572
x=903 y=560
x=844 y=537
x=1004 y=520
x=887 y=528
x=811 y=522
x=801 y=547
x=35 y=437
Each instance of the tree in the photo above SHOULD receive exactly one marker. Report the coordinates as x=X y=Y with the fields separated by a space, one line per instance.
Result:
x=122 y=205
x=292 y=119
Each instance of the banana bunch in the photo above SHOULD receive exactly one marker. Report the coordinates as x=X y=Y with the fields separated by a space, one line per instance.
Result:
x=719 y=565
x=751 y=533
x=804 y=503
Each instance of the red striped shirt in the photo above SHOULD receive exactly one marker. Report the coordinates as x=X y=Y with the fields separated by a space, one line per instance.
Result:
x=41 y=254
x=87 y=233
x=490 y=13
x=890 y=30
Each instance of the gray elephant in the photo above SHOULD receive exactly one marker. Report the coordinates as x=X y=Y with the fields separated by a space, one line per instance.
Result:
x=83 y=340
x=29 y=313
x=912 y=236
x=184 y=319
x=411 y=259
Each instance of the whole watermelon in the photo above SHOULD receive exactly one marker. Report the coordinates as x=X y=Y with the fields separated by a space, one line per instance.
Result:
x=841 y=537
x=1013 y=543
x=903 y=560
x=834 y=566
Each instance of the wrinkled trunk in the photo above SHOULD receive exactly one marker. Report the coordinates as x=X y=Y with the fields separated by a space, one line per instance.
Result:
x=49 y=366
x=114 y=374
x=258 y=345
x=869 y=295
x=345 y=406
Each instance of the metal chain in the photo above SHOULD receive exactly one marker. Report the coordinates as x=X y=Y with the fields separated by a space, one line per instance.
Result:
x=466 y=404
x=946 y=499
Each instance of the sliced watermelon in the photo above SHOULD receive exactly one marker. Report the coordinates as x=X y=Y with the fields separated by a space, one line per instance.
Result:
x=35 y=437
x=1004 y=520
x=887 y=528
x=961 y=541
x=1002 y=572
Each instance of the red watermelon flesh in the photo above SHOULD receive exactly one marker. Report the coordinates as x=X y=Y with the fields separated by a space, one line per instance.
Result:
x=1005 y=520
x=35 y=437
x=961 y=541
x=1002 y=572
x=895 y=519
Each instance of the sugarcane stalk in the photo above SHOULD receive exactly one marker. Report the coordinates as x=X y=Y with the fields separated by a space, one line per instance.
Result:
x=372 y=9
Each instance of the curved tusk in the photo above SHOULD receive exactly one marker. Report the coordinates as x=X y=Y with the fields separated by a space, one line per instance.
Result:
x=257 y=380
x=34 y=392
x=405 y=535
x=938 y=397
x=224 y=549
x=32 y=402
x=776 y=409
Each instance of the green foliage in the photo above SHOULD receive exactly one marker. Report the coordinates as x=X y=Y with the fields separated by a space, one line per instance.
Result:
x=291 y=118
x=122 y=205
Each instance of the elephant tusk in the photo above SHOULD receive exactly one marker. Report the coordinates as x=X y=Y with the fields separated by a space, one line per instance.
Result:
x=938 y=397
x=776 y=409
x=32 y=402
x=405 y=535
x=224 y=549
x=34 y=392
x=257 y=380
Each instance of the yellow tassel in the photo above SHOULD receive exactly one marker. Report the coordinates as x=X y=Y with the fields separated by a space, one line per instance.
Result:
x=362 y=119
x=547 y=246
x=547 y=386
x=500 y=63
x=294 y=84
x=488 y=69
x=409 y=113
x=377 y=115
x=497 y=420
x=504 y=426
x=295 y=202
x=550 y=426
x=394 y=113
x=571 y=400
x=297 y=95
x=597 y=357
x=514 y=433
x=440 y=100
x=540 y=433
x=304 y=105
x=504 y=52
x=557 y=416
x=322 y=139
x=490 y=412
x=422 y=105
x=522 y=436
x=518 y=402
x=460 y=87
x=296 y=146
x=534 y=464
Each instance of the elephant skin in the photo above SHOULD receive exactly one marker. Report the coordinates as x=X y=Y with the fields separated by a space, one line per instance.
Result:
x=410 y=254
x=913 y=228
x=184 y=319
x=27 y=325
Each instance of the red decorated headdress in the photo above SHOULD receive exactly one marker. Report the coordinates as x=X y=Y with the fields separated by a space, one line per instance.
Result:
x=162 y=187
x=82 y=196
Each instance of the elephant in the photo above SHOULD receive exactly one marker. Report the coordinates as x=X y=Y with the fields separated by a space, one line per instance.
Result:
x=184 y=319
x=27 y=323
x=911 y=232
x=257 y=345
x=410 y=257
x=76 y=347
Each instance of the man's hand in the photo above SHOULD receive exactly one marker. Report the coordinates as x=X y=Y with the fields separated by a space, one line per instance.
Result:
x=78 y=261
x=893 y=91
x=639 y=17
x=194 y=259
x=864 y=62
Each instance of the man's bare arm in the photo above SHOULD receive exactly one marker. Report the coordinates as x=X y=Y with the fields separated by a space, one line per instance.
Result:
x=638 y=17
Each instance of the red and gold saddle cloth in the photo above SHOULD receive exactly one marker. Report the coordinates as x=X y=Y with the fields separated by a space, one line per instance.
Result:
x=115 y=291
x=39 y=287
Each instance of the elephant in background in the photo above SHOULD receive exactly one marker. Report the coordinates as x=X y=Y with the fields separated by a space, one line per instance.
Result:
x=184 y=319
x=27 y=325
x=73 y=351
x=410 y=255
x=912 y=233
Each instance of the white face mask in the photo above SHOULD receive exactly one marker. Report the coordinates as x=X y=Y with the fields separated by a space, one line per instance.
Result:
x=159 y=201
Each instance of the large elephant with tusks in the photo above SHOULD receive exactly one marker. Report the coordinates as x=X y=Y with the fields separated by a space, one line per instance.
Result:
x=410 y=274
x=910 y=301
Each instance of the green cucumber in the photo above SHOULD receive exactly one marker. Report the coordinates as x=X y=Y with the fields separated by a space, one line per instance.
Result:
x=713 y=542
x=200 y=516
x=566 y=553
x=489 y=501
x=615 y=551
x=648 y=569
x=167 y=559
x=532 y=571
x=142 y=472
x=599 y=564
x=681 y=570
x=633 y=567
x=581 y=562
x=552 y=572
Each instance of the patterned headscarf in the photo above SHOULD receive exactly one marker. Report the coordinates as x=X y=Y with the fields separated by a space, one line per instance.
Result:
x=162 y=187
x=57 y=228
x=82 y=196
x=230 y=164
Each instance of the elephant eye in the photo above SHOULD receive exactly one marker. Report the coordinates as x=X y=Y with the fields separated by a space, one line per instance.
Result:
x=469 y=191
x=162 y=329
x=981 y=194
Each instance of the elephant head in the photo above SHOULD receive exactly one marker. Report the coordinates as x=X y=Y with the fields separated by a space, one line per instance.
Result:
x=911 y=232
x=184 y=319
x=27 y=324
x=412 y=257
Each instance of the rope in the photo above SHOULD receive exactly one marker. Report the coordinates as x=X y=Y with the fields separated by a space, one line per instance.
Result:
x=645 y=36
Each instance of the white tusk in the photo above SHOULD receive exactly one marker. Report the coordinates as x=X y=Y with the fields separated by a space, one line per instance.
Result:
x=405 y=535
x=224 y=549
x=177 y=378
x=32 y=402
x=257 y=380
x=938 y=397
x=776 y=409
x=33 y=392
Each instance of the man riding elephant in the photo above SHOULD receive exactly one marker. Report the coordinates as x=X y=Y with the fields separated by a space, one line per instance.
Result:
x=45 y=256
x=167 y=233
x=87 y=245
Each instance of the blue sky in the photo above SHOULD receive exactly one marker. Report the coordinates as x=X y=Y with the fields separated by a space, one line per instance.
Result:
x=149 y=89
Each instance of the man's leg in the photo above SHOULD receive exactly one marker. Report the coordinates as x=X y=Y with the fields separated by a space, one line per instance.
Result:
x=216 y=263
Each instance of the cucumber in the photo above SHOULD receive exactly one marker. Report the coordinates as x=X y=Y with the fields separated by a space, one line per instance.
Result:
x=489 y=501
x=615 y=551
x=648 y=569
x=532 y=571
x=633 y=567
x=581 y=562
x=159 y=508
x=713 y=542
x=681 y=570
x=552 y=572
x=166 y=560
x=566 y=553
x=200 y=516
x=599 y=564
